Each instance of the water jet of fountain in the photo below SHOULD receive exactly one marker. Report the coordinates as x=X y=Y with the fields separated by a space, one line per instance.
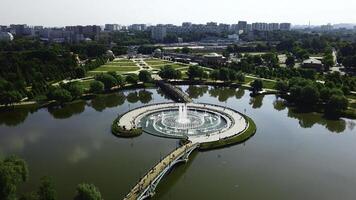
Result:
x=183 y=114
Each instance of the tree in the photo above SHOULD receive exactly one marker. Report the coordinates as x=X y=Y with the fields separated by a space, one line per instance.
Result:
x=195 y=72
x=62 y=95
x=119 y=50
x=257 y=85
x=79 y=72
x=145 y=76
x=96 y=87
x=282 y=86
x=290 y=62
x=75 y=89
x=108 y=80
x=336 y=105
x=13 y=171
x=328 y=61
x=214 y=74
x=186 y=50
x=10 y=97
x=87 y=192
x=168 y=72
x=310 y=95
x=270 y=59
x=132 y=78
x=46 y=190
x=119 y=78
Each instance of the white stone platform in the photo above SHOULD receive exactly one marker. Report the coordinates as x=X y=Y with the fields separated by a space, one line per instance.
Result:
x=236 y=123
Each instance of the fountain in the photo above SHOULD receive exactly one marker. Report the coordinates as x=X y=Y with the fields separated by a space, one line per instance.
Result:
x=183 y=114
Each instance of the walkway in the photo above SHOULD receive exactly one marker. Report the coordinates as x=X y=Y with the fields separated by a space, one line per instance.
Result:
x=148 y=183
x=236 y=123
x=174 y=92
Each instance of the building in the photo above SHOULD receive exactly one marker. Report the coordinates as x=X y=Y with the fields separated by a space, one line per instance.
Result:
x=273 y=26
x=6 y=36
x=3 y=28
x=224 y=27
x=214 y=59
x=242 y=26
x=260 y=27
x=233 y=37
x=327 y=27
x=186 y=24
x=138 y=27
x=91 y=31
x=158 y=32
x=112 y=27
x=313 y=63
x=285 y=26
x=19 y=29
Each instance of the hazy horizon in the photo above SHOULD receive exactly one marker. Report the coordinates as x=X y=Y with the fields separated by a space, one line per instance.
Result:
x=80 y=12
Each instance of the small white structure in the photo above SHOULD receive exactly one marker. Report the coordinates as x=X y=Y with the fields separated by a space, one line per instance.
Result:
x=6 y=36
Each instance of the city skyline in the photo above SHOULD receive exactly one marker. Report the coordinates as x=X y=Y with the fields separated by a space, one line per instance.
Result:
x=48 y=13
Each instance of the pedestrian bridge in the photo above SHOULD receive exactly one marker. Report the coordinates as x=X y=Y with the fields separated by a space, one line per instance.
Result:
x=146 y=186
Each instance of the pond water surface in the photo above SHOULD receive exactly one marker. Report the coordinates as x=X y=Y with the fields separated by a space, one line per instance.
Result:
x=292 y=155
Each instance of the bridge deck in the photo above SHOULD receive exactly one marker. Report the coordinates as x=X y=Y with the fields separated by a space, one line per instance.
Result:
x=156 y=171
x=174 y=92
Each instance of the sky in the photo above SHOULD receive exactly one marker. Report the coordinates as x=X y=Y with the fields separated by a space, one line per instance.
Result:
x=125 y=12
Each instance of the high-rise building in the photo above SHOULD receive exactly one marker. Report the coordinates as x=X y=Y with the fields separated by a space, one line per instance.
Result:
x=158 y=32
x=259 y=26
x=138 y=27
x=186 y=24
x=273 y=26
x=285 y=26
x=112 y=27
x=19 y=29
x=242 y=25
x=91 y=31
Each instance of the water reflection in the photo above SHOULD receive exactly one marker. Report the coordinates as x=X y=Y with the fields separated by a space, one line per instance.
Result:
x=279 y=104
x=68 y=110
x=222 y=93
x=143 y=96
x=13 y=117
x=256 y=101
x=100 y=103
x=308 y=120
x=240 y=93
x=15 y=141
x=196 y=92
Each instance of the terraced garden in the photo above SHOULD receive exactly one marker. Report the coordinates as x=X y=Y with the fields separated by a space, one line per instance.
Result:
x=120 y=66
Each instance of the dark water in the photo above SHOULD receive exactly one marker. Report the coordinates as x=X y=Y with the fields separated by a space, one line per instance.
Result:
x=292 y=156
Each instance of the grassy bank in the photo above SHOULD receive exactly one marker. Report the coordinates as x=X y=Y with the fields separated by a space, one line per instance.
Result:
x=122 y=132
x=245 y=135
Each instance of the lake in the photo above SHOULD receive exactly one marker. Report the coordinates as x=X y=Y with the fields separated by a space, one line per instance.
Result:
x=293 y=155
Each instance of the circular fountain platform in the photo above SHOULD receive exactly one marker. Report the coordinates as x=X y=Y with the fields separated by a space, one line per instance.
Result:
x=200 y=123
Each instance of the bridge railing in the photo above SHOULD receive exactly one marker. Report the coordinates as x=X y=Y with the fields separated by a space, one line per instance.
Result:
x=167 y=161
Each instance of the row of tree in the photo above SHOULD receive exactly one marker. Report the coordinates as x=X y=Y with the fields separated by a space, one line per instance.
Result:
x=307 y=94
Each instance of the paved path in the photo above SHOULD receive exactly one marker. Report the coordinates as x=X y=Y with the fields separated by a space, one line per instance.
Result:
x=236 y=122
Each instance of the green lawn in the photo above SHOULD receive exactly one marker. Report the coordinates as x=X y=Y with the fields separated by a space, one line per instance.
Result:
x=121 y=64
x=268 y=84
x=174 y=65
x=86 y=84
x=108 y=68
x=249 y=79
x=157 y=62
x=122 y=60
